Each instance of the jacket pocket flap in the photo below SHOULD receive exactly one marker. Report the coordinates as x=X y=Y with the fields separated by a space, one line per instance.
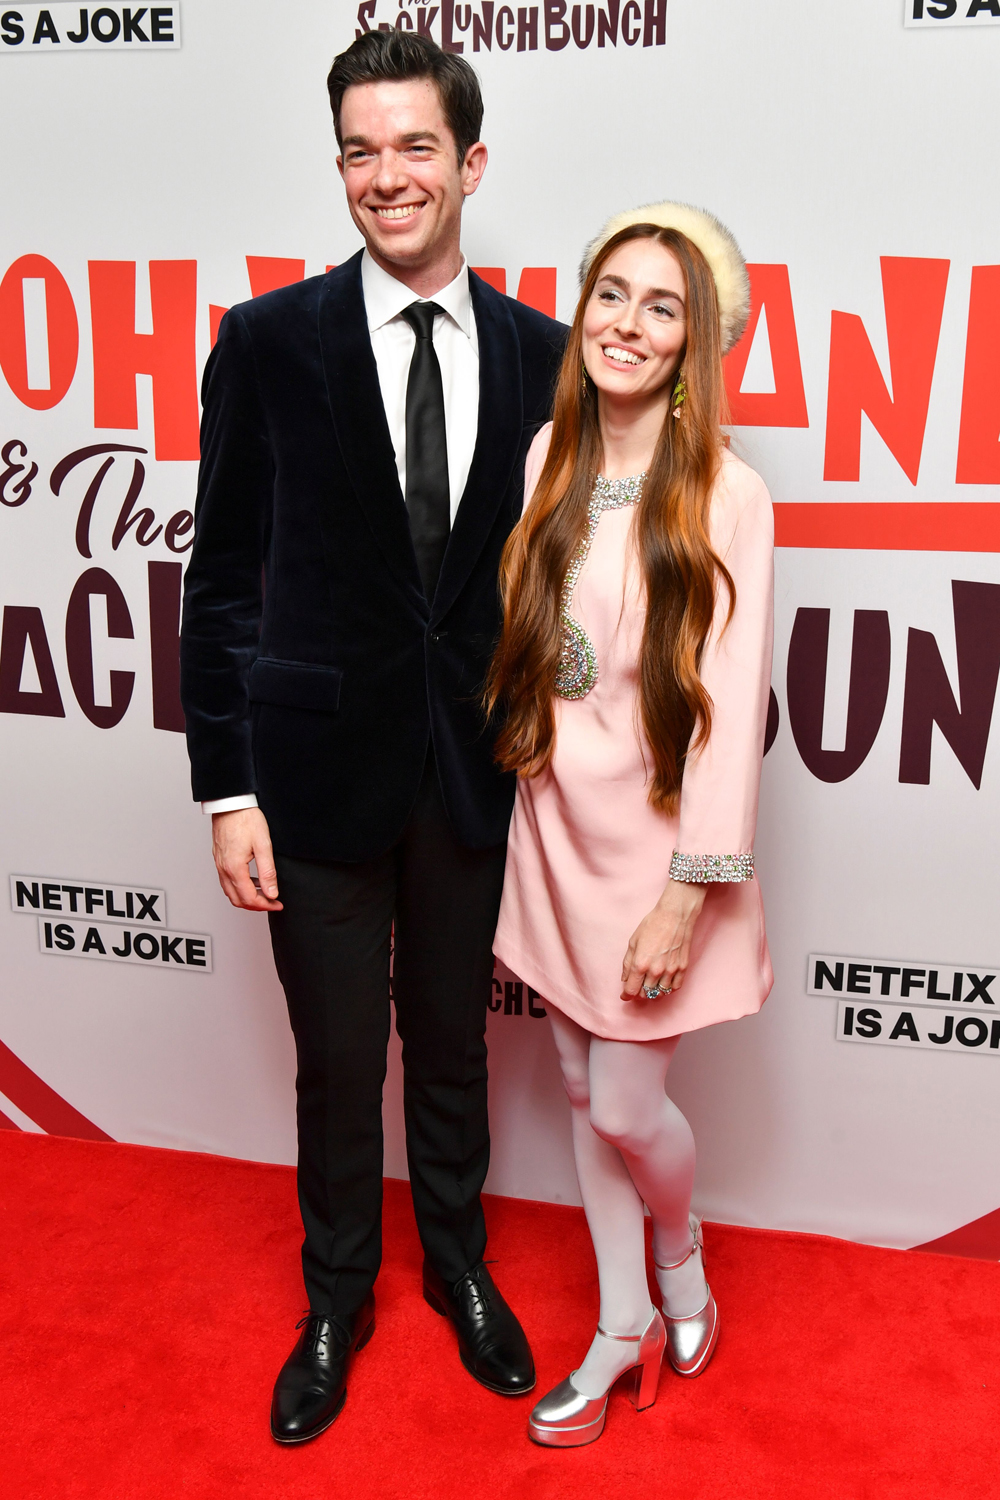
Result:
x=295 y=684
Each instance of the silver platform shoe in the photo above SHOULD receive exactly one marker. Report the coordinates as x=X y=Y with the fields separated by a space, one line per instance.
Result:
x=566 y=1419
x=691 y=1341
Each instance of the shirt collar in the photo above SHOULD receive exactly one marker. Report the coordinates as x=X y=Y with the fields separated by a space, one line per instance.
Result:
x=385 y=297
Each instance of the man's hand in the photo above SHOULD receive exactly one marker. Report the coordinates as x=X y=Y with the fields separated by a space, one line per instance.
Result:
x=660 y=948
x=237 y=838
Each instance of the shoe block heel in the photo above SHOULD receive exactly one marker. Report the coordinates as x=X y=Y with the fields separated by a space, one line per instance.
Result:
x=365 y=1336
x=644 y=1381
x=433 y=1301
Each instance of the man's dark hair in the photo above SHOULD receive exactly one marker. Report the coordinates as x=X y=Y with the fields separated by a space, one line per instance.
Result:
x=392 y=57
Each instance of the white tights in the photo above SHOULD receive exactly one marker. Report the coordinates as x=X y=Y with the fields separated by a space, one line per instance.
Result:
x=632 y=1146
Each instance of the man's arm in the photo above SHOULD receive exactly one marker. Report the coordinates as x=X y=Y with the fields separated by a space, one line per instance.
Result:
x=222 y=613
x=222 y=586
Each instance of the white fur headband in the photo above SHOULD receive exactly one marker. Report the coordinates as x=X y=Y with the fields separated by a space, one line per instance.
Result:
x=717 y=245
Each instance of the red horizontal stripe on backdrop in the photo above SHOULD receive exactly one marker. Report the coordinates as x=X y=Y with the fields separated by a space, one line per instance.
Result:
x=41 y=1103
x=952 y=526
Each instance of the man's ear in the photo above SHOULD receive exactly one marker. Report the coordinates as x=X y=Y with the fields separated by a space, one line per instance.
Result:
x=340 y=165
x=473 y=167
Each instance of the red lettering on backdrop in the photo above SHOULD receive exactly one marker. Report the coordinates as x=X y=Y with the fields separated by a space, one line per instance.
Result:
x=167 y=354
x=979 y=431
x=62 y=328
x=913 y=292
x=24 y=627
x=927 y=695
x=267 y=273
x=79 y=647
x=786 y=405
x=537 y=288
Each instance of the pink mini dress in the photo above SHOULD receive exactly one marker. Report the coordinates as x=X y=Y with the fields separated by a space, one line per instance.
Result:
x=588 y=856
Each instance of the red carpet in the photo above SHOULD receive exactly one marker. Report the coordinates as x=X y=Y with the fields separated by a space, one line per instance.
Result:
x=147 y=1299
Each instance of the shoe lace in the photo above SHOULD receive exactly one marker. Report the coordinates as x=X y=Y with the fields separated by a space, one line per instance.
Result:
x=479 y=1292
x=323 y=1326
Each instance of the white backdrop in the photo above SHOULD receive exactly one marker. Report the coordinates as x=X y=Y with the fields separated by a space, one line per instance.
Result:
x=828 y=137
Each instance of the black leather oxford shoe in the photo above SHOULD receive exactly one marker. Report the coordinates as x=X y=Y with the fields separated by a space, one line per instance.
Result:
x=312 y=1387
x=491 y=1341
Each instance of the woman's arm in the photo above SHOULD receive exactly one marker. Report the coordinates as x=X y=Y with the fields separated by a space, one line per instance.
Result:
x=534 y=462
x=718 y=805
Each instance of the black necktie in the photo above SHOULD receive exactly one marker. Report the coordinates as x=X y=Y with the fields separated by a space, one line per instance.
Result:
x=428 y=500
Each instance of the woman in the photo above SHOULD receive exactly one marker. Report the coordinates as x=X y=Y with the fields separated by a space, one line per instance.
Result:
x=634 y=668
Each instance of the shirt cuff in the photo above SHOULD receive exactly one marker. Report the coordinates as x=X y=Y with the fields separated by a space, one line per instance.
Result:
x=228 y=804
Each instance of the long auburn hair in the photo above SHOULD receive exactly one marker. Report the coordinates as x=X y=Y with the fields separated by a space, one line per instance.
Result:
x=679 y=568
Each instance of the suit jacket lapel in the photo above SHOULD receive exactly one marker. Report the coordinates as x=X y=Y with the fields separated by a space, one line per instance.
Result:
x=359 y=420
x=501 y=417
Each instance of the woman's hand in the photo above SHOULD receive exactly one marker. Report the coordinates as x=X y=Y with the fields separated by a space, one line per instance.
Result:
x=660 y=947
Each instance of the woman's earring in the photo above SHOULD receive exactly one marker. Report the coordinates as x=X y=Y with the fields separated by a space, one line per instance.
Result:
x=583 y=378
x=680 y=394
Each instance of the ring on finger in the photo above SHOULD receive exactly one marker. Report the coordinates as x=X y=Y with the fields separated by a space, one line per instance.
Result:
x=653 y=991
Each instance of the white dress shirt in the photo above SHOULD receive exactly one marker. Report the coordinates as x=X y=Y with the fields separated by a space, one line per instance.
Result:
x=456 y=343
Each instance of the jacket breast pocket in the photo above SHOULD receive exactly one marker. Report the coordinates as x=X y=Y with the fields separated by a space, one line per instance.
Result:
x=295 y=684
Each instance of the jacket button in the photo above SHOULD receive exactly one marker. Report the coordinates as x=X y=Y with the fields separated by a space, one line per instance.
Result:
x=433 y=637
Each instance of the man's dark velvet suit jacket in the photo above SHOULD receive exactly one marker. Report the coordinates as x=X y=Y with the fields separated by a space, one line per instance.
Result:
x=313 y=671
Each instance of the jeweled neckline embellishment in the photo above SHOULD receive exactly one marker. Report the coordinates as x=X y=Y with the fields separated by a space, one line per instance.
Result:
x=577 y=672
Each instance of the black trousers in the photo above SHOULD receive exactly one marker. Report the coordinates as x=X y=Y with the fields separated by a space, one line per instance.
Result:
x=331 y=950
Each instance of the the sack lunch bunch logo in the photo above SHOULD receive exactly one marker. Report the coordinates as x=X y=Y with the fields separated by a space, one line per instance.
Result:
x=117 y=923
x=552 y=26
x=892 y=1002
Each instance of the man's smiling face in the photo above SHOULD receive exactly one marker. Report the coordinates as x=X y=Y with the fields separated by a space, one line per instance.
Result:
x=405 y=186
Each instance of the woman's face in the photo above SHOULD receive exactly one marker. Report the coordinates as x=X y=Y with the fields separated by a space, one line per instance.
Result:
x=635 y=324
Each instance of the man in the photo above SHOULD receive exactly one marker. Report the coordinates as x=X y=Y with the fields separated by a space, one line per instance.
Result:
x=363 y=444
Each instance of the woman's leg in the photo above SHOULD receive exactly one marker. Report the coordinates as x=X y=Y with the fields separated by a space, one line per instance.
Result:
x=632 y=1145
x=613 y=1207
x=614 y=1215
x=630 y=1111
